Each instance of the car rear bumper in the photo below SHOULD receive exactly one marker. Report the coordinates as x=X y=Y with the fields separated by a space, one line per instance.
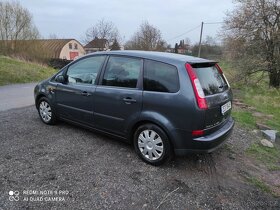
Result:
x=207 y=143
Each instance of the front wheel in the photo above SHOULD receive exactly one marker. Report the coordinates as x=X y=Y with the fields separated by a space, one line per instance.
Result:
x=46 y=112
x=152 y=144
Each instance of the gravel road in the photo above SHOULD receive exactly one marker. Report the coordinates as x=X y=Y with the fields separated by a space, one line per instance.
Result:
x=67 y=167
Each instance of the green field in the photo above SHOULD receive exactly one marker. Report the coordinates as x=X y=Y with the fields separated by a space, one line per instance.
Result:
x=257 y=94
x=16 y=71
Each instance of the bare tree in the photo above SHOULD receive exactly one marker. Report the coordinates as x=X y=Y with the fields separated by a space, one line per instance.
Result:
x=209 y=49
x=147 y=38
x=252 y=37
x=103 y=30
x=187 y=41
x=53 y=36
x=16 y=22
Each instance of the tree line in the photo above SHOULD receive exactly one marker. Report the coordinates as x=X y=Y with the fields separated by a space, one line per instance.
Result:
x=250 y=37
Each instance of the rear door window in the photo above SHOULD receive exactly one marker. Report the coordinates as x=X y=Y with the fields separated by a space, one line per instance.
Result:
x=122 y=72
x=211 y=80
x=160 y=77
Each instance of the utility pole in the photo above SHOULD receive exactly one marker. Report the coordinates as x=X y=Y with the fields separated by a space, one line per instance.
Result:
x=199 y=49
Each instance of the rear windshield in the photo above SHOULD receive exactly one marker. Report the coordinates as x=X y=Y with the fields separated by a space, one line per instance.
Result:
x=211 y=80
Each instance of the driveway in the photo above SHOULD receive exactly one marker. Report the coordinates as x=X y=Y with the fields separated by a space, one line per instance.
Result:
x=16 y=96
x=67 y=167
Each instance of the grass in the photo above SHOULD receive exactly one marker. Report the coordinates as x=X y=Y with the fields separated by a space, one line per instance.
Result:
x=261 y=99
x=259 y=184
x=265 y=100
x=269 y=156
x=256 y=94
x=16 y=71
x=244 y=118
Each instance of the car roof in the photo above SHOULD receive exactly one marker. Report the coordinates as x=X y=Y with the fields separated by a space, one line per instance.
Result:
x=159 y=56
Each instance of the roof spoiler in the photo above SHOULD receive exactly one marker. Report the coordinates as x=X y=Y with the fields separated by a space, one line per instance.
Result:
x=203 y=64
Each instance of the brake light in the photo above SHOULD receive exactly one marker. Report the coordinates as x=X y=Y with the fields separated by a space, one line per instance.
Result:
x=198 y=91
x=198 y=133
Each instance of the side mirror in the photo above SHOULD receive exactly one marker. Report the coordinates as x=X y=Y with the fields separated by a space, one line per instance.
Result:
x=60 y=79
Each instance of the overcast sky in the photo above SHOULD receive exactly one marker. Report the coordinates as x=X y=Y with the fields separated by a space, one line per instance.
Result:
x=71 y=18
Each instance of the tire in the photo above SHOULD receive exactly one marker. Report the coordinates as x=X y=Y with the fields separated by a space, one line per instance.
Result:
x=46 y=111
x=152 y=144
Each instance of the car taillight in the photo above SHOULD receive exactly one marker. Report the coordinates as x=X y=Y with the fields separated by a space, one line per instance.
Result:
x=198 y=91
x=198 y=133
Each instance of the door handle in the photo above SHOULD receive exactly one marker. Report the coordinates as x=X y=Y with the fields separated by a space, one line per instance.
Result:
x=85 y=93
x=129 y=100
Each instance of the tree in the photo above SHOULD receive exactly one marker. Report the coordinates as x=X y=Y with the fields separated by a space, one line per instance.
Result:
x=15 y=24
x=252 y=37
x=176 y=48
x=187 y=41
x=115 y=45
x=103 y=30
x=147 y=38
x=53 y=36
x=209 y=49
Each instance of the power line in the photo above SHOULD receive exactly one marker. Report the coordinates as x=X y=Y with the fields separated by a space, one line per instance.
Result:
x=184 y=33
x=214 y=23
x=209 y=23
x=201 y=32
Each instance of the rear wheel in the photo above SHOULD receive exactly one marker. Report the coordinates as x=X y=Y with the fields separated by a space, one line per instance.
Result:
x=152 y=144
x=46 y=112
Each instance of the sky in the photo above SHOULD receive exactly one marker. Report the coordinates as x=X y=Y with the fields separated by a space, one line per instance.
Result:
x=71 y=18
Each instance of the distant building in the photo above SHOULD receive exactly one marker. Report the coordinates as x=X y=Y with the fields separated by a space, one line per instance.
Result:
x=183 y=48
x=170 y=50
x=97 y=45
x=67 y=49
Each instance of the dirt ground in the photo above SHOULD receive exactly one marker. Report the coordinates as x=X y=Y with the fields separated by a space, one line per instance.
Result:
x=67 y=167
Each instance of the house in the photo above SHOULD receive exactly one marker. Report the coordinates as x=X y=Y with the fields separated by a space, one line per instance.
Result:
x=67 y=49
x=97 y=45
x=183 y=48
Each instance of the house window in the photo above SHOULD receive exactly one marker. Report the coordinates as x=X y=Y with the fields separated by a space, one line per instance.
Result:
x=70 y=45
x=75 y=46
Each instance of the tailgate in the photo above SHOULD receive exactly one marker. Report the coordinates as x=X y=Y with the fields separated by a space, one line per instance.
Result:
x=219 y=109
x=217 y=93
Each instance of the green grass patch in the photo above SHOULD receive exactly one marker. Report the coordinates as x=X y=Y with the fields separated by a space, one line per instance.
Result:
x=16 y=71
x=255 y=93
x=269 y=156
x=244 y=118
x=265 y=100
x=259 y=184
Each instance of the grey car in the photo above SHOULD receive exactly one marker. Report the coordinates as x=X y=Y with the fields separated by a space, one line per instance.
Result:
x=162 y=103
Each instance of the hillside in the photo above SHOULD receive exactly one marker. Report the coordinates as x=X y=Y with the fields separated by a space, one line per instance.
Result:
x=16 y=71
